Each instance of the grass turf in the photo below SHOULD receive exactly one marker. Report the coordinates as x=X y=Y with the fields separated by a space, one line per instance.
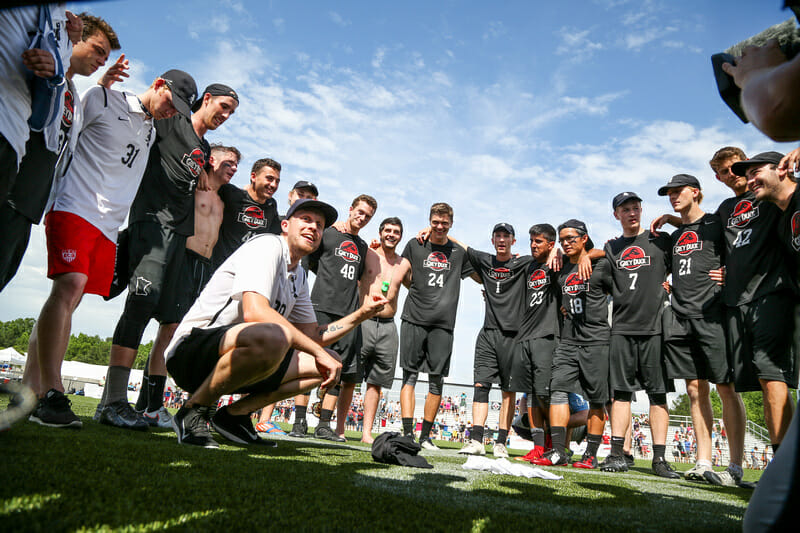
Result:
x=101 y=478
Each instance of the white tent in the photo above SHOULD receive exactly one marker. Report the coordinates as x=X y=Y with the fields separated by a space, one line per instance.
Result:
x=12 y=357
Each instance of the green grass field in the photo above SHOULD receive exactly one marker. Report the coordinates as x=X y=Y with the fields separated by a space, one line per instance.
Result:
x=100 y=478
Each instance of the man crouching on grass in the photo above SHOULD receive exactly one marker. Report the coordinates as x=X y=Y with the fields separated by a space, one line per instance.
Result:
x=253 y=330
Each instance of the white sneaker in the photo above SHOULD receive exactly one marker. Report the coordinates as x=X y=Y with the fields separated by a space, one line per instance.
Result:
x=427 y=444
x=696 y=473
x=726 y=478
x=473 y=447
x=160 y=418
x=499 y=450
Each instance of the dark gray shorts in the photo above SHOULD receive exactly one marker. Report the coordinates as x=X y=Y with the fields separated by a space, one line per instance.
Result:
x=196 y=271
x=582 y=370
x=636 y=363
x=494 y=360
x=425 y=349
x=379 y=343
x=695 y=348
x=348 y=348
x=534 y=365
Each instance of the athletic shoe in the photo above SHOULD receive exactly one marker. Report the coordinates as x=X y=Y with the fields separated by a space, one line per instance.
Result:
x=53 y=410
x=551 y=458
x=614 y=463
x=235 y=428
x=726 y=478
x=522 y=427
x=269 y=427
x=275 y=429
x=325 y=432
x=629 y=459
x=697 y=472
x=299 y=429
x=473 y=447
x=97 y=412
x=662 y=468
x=191 y=426
x=427 y=444
x=588 y=462
x=159 y=419
x=499 y=450
x=535 y=453
x=120 y=414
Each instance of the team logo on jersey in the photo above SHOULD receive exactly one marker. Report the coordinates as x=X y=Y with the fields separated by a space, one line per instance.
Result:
x=687 y=243
x=632 y=258
x=500 y=274
x=253 y=217
x=742 y=214
x=194 y=161
x=574 y=284
x=348 y=251
x=538 y=280
x=796 y=230
x=69 y=255
x=69 y=109
x=436 y=261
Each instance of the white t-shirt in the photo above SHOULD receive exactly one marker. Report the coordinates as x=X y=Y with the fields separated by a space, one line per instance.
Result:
x=109 y=160
x=260 y=266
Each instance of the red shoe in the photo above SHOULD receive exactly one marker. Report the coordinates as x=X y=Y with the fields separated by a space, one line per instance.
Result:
x=535 y=453
x=589 y=462
x=551 y=458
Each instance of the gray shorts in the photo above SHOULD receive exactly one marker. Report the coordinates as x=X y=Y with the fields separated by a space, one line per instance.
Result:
x=348 y=348
x=379 y=343
x=582 y=370
x=695 y=348
x=494 y=360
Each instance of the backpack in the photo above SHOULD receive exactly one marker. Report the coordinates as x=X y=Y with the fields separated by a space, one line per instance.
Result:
x=46 y=94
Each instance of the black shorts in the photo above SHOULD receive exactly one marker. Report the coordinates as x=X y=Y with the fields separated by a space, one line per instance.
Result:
x=197 y=271
x=16 y=231
x=760 y=337
x=348 y=348
x=635 y=363
x=494 y=360
x=695 y=348
x=8 y=167
x=379 y=351
x=425 y=349
x=582 y=370
x=533 y=364
x=196 y=356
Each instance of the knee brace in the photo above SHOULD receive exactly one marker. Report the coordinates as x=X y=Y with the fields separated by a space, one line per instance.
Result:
x=409 y=377
x=130 y=329
x=657 y=398
x=623 y=396
x=559 y=398
x=435 y=385
x=481 y=394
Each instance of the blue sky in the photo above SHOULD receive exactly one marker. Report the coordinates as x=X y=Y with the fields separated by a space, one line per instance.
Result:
x=523 y=112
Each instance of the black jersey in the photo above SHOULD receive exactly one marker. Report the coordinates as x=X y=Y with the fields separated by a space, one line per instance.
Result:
x=586 y=304
x=789 y=228
x=338 y=263
x=639 y=266
x=166 y=194
x=540 y=314
x=436 y=273
x=242 y=218
x=754 y=261
x=696 y=249
x=504 y=288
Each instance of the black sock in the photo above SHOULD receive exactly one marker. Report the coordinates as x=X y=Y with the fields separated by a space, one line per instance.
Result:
x=477 y=433
x=592 y=444
x=141 y=401
x=617 y=443
x=558 y=434
x=502 y=436
x=155 y=392
x=538 y=437
x=775 y=448
x=325 y=416
x=300 y=412
x=408 y=425
x=658 y=451
x=426 y=429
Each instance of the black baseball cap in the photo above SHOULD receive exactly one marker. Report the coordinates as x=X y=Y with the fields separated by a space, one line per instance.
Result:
x=504 y=226
x=215 y=89
x=740 y=167
x=679 y=180
x=328 y=211
x=302 y=184
x=581 y=227
x=184 y=90
x=623 y=197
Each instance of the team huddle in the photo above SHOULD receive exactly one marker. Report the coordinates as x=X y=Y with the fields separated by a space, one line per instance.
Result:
x=712 y=302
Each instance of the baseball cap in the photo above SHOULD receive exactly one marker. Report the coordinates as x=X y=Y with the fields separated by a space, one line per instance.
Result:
x=623 y=197
x=740 y=167
x=328 y=211
x=679 y=180
x=302 y=184
x=184 y=90
x=581 y=227
x=215 y=89
x=503 y=226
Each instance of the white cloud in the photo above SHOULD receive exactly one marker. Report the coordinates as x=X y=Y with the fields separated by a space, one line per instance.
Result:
x=377 y=59
x=576 y=43
x=494 y=29
x=338 y=19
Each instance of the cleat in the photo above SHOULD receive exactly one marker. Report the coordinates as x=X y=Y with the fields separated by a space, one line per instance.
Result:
x=159 y=419
x=499 y=450
x=522 y=427
x=662 y=468
x=473 y=447
x=726 y=478
x=326 y=433
x=614 y=463
x=427 y=444
x=629 y=459
x=299 y=429
x=238 y=429
x=588 y=462
x=697 y=472
x=551 y=458
x=269 y=427
x=190 y=424
x=120 y=414
x=535 y=453
x=53 y=410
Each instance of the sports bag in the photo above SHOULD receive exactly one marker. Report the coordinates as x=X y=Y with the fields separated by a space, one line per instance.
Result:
x=46 y=94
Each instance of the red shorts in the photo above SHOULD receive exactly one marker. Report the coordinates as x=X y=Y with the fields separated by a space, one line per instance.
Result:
x=74 y=245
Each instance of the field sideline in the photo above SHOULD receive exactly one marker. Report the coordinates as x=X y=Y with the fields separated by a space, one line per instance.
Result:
x=101 y=478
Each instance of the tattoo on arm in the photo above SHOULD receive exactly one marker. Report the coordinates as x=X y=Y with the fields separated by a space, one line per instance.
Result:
x=330 y=328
